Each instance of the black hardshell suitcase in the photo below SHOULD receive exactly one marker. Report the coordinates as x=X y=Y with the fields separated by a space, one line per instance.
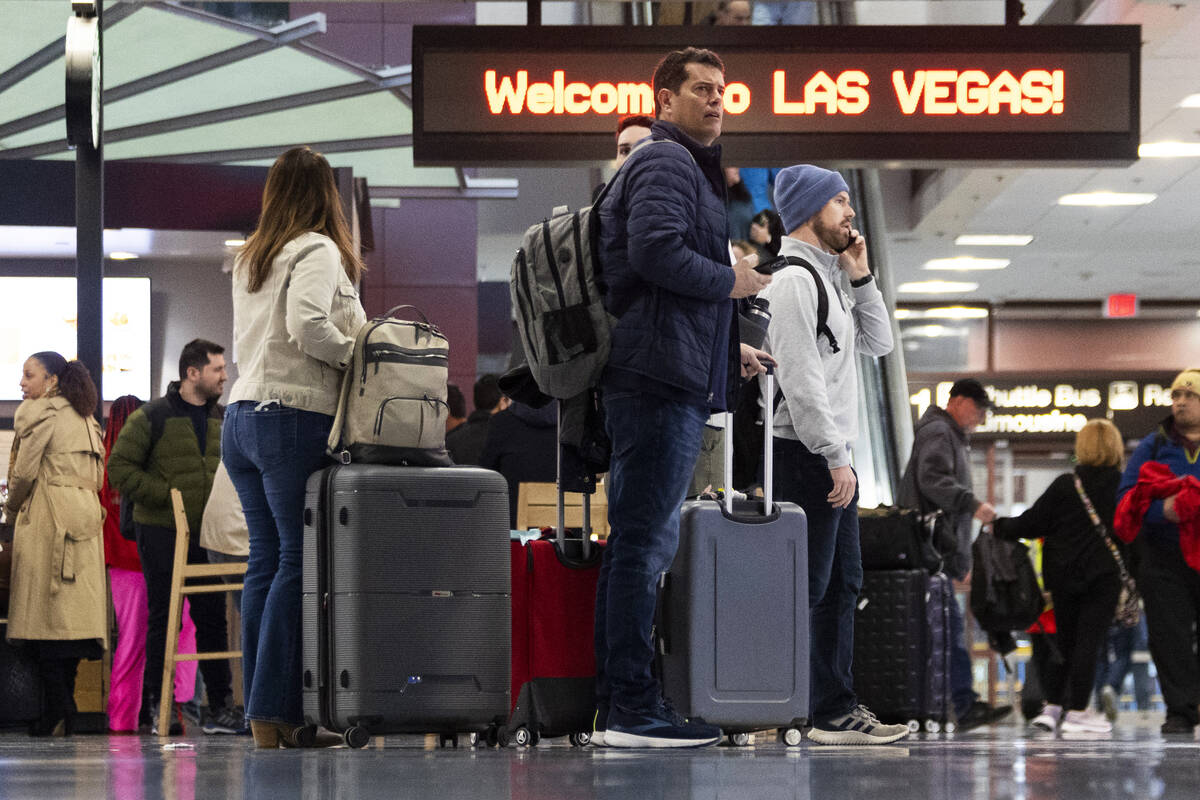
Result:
x=733 y=628
x=406 y=601
x=902 y=648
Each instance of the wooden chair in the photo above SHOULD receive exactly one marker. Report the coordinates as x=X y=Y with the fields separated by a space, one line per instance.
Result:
x=537 y=506
x=180 y=573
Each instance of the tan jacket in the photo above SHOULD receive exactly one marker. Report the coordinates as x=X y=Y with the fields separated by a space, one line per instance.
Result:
x=224 y=526
x=294 y=337
x=58 y=581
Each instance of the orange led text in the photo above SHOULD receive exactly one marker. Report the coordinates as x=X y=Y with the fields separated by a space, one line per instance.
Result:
x=973 y=91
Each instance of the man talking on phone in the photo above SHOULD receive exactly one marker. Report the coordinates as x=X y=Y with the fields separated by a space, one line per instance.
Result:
x=816 y=424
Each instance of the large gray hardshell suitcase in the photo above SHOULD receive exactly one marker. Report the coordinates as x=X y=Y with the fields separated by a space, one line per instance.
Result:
x=406 y=600
x=733 y=612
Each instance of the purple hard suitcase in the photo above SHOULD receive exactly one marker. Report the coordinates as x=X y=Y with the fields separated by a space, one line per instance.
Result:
x=902 y=648
x=733 y=611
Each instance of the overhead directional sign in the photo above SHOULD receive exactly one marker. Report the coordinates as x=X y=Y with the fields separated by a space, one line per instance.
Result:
x=850 y=95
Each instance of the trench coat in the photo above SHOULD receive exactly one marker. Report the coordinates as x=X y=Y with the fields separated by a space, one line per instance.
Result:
x=58 y=581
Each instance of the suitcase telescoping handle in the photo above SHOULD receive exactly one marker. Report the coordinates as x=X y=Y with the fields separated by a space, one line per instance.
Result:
x=560 y=529
x=768 y=460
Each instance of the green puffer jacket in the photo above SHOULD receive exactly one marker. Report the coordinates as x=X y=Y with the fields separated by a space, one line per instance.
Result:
x=157 y=451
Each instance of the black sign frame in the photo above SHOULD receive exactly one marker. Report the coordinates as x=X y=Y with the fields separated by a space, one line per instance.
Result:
x=767 y=148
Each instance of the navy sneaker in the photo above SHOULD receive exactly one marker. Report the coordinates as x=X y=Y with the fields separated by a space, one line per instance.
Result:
x=658 y=727
x=600 y=726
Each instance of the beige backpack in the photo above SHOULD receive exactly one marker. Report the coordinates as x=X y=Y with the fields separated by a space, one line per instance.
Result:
x=392 y=408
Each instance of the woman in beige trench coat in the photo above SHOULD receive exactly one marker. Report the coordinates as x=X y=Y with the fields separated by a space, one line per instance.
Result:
x=58 y=597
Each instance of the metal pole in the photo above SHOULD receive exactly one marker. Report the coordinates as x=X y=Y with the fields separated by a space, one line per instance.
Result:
x=89 y=250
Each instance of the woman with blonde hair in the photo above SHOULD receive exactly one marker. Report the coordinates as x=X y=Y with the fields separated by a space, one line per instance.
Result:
x=58 y=597
x=1079 y=571
x=295 y=315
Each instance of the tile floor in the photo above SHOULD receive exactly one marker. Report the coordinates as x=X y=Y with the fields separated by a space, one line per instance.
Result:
x=1006 y=761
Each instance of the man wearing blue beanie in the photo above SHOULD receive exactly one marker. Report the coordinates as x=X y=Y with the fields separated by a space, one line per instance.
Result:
x=816 y=424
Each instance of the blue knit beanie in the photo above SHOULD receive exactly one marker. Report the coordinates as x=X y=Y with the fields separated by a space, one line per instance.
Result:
x=803 y=190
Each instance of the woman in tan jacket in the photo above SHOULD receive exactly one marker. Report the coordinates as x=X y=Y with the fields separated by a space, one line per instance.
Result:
x=58 y=597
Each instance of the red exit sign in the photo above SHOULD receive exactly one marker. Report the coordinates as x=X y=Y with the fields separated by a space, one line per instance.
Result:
x=845 y=95
x=1121 y=305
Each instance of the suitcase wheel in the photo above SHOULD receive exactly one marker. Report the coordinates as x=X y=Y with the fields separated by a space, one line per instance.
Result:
x=739 y=739
x=950 y=727
x=492 y=736
x=914 y=725
x=792 y=736
x=522 y=737
x=581 y=739
x=449 y=739
x=307 y=736
x=932 y=726
x=357 y=737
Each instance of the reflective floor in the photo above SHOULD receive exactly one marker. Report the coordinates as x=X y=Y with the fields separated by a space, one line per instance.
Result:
x=1006 y=761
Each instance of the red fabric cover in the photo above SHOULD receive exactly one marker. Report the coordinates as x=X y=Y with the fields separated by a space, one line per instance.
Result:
x=1155 y=482
x=553 y=610
x=118 y=551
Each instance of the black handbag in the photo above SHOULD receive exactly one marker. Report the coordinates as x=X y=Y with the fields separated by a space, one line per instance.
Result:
x=891 y=537
x=1129 y=609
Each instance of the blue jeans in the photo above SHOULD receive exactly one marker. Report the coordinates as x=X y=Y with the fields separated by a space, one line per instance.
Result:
x=962 y=682
x=654 y=447
x=269 y=454
x=835 y=574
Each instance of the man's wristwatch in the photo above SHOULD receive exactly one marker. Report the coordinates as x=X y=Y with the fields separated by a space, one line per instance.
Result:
x=863 y=281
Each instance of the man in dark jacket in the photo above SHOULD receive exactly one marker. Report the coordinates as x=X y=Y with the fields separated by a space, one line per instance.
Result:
x=520 y=445
x=465 y=443
x=938 y=477
x=174 y=442
x=675 y=359
x=1170 y=587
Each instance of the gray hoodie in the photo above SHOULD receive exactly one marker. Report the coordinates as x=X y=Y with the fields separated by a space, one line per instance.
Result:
x=820 y=387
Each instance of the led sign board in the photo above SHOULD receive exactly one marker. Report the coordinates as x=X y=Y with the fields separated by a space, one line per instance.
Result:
x=1040 y=407
x=849 y=95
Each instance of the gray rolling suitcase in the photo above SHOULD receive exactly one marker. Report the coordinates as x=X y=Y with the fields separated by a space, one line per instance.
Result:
x=733 y=612
x=406 y=601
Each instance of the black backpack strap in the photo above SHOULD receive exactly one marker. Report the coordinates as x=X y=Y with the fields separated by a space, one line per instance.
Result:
x=156 y=413
x=822 y=302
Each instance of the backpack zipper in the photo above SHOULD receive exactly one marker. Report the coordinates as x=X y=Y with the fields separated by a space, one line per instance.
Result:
x=424 y=399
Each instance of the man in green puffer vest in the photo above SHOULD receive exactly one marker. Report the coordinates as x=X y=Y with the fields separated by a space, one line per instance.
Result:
x=174 y=442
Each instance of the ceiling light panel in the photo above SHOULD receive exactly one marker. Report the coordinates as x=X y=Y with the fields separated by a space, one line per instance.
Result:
x=993 y=240
x=937 y=287
x=1169 y=150
x=1107 y=199
x=967 y=263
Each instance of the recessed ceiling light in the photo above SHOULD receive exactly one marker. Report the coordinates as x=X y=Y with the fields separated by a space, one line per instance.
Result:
x=936 y=287
x=956 y=312
x=993 y=240
x=234 y=242
x=1107 y=199
x=967 y=263
x=121 y=255
x=1169 y=150
x=904 y=313
x=1191 y=101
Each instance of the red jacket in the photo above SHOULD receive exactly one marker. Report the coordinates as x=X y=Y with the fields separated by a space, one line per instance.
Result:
x=1155 y=482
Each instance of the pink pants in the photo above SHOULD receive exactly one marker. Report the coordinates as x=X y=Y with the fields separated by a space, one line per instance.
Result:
x=129 y=658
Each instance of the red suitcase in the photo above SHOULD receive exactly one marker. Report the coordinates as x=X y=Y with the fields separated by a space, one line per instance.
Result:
x=553 y=653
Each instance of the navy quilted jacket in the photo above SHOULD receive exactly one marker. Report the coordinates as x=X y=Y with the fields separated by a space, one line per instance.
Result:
x=665 y=262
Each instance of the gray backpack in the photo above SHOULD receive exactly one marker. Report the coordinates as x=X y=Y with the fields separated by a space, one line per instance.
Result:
x=392 y=408
x=559 y=298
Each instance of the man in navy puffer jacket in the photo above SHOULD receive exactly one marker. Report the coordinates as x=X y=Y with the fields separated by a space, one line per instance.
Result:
x=675 y=359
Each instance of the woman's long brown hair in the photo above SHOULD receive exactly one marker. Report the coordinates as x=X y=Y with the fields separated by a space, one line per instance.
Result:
x=300 y=196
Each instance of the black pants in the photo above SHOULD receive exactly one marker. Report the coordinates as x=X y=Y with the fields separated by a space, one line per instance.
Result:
x=1082 y=618
x=156 y=547
x=1171 y=593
